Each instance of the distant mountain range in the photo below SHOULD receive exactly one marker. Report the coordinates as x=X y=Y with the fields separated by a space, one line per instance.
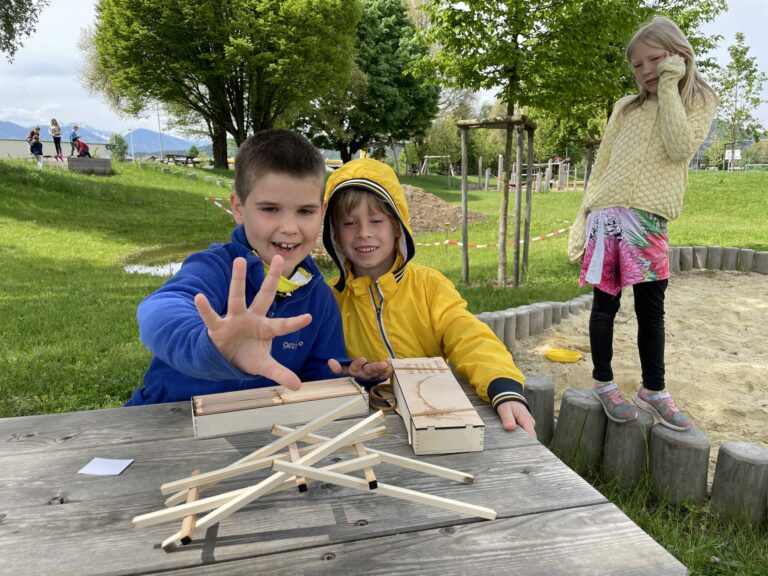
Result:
x=140 y=141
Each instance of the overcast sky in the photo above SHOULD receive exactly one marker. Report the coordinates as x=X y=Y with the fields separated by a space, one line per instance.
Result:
x=42 y=82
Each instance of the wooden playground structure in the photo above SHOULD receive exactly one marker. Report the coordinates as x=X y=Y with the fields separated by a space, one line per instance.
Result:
x=511 y=124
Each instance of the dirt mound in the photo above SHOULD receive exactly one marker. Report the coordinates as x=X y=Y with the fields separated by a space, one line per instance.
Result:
x=431 y=214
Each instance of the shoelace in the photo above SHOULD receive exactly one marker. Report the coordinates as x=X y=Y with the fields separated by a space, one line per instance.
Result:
x=663 y=399
x=612 y=393
x=615 y=397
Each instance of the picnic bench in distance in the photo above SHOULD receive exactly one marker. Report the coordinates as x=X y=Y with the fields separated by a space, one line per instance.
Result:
x=89 y=165
x=181 y=160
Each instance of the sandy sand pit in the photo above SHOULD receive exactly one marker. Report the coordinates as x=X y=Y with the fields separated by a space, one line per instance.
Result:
x=716 y=359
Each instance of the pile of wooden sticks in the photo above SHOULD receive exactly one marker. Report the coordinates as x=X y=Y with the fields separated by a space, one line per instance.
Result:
x=293 y=468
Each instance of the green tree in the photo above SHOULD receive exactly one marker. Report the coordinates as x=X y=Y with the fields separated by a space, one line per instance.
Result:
x=193 y=152
x=739 y=85
x=241 y=66
x=18 y=19
x=380 y=101
x=564 y=57
x=119 y=147
x=715 y=151
x=757 y=153
x=442 y=139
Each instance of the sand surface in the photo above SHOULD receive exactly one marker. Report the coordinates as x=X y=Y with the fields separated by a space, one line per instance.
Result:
x=716 y=355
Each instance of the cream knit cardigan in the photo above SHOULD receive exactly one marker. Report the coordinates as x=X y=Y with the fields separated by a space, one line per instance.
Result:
x=643 y=159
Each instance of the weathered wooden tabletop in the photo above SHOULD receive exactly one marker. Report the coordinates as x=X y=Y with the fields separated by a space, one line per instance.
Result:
x=56 y=521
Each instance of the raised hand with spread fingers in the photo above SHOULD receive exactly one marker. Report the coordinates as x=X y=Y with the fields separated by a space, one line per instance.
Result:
x=244 y=334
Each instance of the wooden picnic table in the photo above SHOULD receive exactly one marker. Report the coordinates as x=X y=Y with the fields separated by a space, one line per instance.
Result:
x=56 y=521
x=180 y=159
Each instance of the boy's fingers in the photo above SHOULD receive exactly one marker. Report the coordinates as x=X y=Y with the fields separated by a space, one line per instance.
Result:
x=376 y=369
x=236 y=300
x=266 y=294
x=507 y=417
x=208 y=314
x=280 y=374
x=530 y=427
x=335 y=366
x=282 y=326
x=528 y=423
x=514 y=414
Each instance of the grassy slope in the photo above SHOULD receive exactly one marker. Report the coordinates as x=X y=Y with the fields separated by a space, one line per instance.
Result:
x=68 y=338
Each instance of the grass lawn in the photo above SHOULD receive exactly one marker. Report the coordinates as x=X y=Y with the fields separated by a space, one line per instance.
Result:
x=68 y=334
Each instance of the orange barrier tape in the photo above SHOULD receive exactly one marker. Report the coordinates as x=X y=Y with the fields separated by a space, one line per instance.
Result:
x=215 y=201
x=532 y=239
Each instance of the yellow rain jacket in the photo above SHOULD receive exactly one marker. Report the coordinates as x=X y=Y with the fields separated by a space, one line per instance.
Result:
x=412 y=311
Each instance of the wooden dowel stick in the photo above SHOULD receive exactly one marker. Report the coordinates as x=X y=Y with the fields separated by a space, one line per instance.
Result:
x=188 y=524
x=386 y=490
x=301 y=483
x=276 y=395
x=315 y=424
x=235 y=405
x=389 y=458
x=215 y=476
x=351 y=465
x=267 y=484
x=281 y=443
x=370 y=477
x=211 y=502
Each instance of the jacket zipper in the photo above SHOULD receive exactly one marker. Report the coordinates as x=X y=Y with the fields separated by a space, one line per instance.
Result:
x=379 y=320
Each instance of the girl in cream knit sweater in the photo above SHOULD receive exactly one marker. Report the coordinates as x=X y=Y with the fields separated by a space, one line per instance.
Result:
x=637 y=185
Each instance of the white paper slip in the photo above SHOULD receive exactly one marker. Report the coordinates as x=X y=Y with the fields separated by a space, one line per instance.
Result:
x=105 y=467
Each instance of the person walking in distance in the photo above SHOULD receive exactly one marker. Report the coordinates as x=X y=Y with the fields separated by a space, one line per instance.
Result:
x=55 y=131
x=72 y=137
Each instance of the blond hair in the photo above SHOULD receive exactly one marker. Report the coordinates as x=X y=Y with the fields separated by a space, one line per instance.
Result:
x=664 y=33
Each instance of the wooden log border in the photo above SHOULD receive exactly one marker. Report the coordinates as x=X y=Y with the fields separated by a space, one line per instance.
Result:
x=525 y=321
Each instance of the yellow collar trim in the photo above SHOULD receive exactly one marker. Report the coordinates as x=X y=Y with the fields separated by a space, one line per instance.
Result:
x=286 y=286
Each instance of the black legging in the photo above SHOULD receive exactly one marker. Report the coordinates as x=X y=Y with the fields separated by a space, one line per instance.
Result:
x=57 y=143
x=649 y=309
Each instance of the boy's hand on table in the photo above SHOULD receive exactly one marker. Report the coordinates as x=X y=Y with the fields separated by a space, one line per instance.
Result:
x=514 y=414
x=361 y=368
x=244 y=335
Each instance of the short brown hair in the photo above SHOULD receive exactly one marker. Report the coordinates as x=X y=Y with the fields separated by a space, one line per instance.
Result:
x=344 y=202
x=275 y=150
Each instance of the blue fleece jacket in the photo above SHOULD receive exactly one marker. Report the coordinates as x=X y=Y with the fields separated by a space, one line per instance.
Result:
x=186 y=363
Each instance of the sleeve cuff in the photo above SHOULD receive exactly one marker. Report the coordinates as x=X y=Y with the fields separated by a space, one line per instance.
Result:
x=506 y=390
x=674 y=66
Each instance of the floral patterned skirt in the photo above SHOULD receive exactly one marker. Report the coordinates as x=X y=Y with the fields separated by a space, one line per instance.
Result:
x=624 y=246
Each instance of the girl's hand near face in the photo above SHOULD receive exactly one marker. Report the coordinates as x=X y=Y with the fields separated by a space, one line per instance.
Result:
x=672 y=65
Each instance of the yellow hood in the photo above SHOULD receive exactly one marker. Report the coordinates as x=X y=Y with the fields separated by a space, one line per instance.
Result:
x=377 y=178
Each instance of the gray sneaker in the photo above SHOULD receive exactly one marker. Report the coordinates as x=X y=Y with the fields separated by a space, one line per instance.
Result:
x=616 y=408
x=661 y=405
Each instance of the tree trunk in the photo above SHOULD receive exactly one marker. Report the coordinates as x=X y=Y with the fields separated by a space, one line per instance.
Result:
x=396 y=155
x=219 y=138
x=407 y=160
x=346 y=153
x=504 y=208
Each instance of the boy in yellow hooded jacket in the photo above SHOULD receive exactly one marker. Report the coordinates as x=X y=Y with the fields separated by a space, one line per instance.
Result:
x=394 y=308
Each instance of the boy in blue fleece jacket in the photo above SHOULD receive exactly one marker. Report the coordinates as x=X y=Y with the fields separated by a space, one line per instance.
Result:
x=228 y=320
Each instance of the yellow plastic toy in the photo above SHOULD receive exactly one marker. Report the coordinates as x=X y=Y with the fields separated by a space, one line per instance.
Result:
x=557 y=355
